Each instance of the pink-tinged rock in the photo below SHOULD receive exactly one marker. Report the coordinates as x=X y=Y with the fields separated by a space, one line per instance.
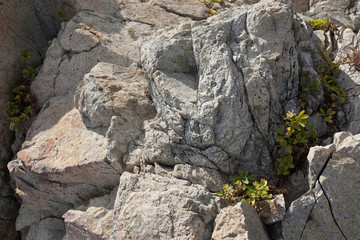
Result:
x=92 y=222
x=61 y=164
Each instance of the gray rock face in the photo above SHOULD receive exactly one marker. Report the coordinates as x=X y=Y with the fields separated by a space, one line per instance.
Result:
x=186 y=211
x=226 y=81
x=173 y=115
x=331 y=211
x=49 y=228
x=239 y=222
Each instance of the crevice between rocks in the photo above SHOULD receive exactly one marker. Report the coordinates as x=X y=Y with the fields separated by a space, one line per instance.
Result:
x=169 y=10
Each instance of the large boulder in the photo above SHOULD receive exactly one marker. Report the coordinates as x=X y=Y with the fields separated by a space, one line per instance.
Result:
x=224 y=83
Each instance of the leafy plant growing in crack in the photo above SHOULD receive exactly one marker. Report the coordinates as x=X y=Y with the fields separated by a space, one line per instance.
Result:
x=244 y=187
x=61 y=16
x=295 y=141
x=325 y=24
x=210 y=8
x=22 y=104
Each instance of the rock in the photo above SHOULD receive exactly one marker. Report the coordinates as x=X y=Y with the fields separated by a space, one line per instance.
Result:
x=110 y=90
x=320 y=125
x=150 y=206
x=239 y=222
x=78 y=49
x=301 y=5
x=235 y=102
x=320 y=224
x=23 y=24
x=49 y=228
x=26 y=218
x=62 y=164
x=325 y=211
x=94 y=222
x=297 y=215
x=273 y=210
x=318 y=158
x=208 y=178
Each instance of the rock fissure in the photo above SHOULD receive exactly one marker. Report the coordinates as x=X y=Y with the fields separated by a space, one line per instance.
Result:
x=331 y=210
x=308 y=217
x=195 y=18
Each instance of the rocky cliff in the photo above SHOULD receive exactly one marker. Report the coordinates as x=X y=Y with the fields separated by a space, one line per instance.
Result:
x=149 y=107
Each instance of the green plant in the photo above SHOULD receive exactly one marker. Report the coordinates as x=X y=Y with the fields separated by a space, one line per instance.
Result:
x=244 y=188
x=61 y=16
x=350 y=26
x=308 y=87
x=328 y=114
x=22 y=104
x=210 y=10
x=299 y=133
x=334 y=92
x=325 y=24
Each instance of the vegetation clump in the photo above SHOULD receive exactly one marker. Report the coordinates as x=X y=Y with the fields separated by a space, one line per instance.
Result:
x=325 y=24
x=294 y=141
x=210 y=9
x=244 y=187
x=22 y=104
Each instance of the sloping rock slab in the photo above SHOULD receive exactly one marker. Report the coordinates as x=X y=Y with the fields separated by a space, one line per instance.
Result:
x=62 y=164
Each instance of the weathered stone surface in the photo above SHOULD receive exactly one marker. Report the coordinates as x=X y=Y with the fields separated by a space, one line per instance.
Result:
x=273 y=210
x=62 y=163
x=208 y=178
x=239 y=222
x=23 y=24
x=150 y=206
x=49 y=228
x=320 y=224
x=235 y=102
x=91 y=222
x=87 y=39
x=297 y=215
x=115 y=96
x=330 y=207
x=110 y=90
x=26 y=218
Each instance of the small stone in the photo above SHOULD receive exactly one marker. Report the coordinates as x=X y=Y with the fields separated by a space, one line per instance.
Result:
x=273 y=210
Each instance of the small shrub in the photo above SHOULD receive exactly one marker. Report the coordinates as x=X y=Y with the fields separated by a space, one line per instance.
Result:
x=308 y=87
x=294 y=141
x=61 y=16
x=244 y=188
x=334 y=92
x=210 y=10
x=325 y=24
x=328 y=114
x=22 y=104
x=350 y=26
